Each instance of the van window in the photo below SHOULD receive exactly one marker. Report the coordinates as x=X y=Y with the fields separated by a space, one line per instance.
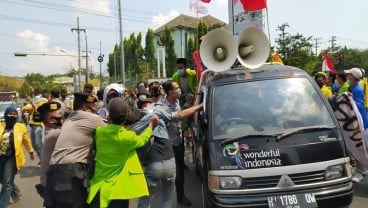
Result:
x=266 y=107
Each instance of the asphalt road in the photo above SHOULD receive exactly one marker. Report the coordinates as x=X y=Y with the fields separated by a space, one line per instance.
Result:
x=28 y=176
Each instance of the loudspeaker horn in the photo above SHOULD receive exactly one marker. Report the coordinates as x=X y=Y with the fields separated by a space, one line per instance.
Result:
x=218 y=50
x=253 y=48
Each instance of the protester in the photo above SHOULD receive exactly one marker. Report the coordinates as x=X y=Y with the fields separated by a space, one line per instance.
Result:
x=66 y=177
x=52 y=117
x=155 y=91
x=111 y=91
x=320 y=79
x=171 y=101
x=35 y=124
x=186 y=78
x=354 y=75
x=13 y=136
x=118 y=174
x=342 y=81
x=159 y=163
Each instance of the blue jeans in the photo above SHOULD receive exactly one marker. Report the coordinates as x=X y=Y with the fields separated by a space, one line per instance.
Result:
x=16 y=191
x=36 y=137
x=160 y=177
x=8 y=170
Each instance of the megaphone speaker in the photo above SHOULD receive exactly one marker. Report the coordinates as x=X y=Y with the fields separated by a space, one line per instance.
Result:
x=253 y=48
x=218 y=50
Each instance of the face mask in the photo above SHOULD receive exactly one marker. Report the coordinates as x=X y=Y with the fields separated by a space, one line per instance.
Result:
x=11 y=120
x=181 y=72
x=320 y=84
x=178 y=93
x=142 y=97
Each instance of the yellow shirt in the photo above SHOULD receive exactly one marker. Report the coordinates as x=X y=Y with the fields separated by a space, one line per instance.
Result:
x=31 y=116
x=364 y=84
x=326 y=91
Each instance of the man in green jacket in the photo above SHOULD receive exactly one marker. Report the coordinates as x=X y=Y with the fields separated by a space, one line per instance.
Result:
x=186 y=78
x=118 y=174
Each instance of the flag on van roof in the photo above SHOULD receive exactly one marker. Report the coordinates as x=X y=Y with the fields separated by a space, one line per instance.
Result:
x=327 y=64
x=253 y=5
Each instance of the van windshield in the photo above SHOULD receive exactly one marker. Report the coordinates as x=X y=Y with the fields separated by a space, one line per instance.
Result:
x=267 y=107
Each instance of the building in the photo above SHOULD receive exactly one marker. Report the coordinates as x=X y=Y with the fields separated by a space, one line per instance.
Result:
x=182 y=28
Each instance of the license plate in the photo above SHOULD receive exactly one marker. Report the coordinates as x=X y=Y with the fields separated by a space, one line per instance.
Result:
x=305 y=200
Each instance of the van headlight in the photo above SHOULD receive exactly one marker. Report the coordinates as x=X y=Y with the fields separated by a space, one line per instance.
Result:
x=334 y=172
x=230 y=182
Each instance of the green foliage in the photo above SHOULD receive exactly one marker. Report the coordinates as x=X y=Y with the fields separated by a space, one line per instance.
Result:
x=167 y=40
x=7 y=84
x=149 y=50
x=40 y=84
x=190 y=49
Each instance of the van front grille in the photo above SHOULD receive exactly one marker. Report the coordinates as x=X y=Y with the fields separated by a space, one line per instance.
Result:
x=272 y=181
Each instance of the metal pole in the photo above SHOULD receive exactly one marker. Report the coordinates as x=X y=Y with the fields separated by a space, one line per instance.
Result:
x=86 y=59
x=122 y=64
x=100 y=69
x=79 y=57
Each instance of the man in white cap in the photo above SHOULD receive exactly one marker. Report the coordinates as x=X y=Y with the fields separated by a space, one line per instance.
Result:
x=354 y=75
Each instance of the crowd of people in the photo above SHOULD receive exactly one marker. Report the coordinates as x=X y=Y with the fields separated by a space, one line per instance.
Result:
x=90 y=148
x=353 y=82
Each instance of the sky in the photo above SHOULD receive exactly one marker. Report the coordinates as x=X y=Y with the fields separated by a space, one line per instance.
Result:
x=45 y=27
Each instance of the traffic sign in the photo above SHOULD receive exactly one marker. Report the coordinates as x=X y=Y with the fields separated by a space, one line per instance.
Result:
x=100 y=59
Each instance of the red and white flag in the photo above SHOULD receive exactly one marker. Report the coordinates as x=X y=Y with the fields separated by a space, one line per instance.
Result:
x=198 y=6
x=253 y=5
x=327 y=64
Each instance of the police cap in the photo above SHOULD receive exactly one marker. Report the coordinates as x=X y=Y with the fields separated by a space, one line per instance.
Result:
x=84 y=98
x=48 y=107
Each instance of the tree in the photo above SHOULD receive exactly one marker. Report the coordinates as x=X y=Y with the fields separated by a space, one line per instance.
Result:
x=190 y=49
x=7 y=84
x=149 y=50
x=296 y=50
x=167 y=40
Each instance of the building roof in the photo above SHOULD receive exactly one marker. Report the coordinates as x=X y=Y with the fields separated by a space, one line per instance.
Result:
x=188 y=22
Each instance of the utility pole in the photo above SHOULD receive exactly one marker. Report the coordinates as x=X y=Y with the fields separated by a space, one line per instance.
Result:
x=87 y=74
x=333 y=40
x=317 y=39
x=79 y=56
x=100 y=59
x=122 y=64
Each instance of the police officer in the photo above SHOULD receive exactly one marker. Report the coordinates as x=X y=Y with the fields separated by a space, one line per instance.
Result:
x=52 y=116
x=69 y=160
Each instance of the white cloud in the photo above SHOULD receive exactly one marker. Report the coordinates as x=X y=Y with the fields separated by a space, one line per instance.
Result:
x=33 y=40
x=95 y=6
x=161 y=19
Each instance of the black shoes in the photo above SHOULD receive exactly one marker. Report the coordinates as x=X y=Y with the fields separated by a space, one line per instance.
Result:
x=184 y=201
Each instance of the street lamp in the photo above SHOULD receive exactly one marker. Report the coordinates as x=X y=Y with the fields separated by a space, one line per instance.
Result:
x=24 y=54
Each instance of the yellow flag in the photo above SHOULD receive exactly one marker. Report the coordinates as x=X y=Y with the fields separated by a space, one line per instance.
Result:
x=277 y=58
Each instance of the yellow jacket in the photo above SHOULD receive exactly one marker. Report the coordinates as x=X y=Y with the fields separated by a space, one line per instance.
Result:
x=364 y=84
x=20 y=137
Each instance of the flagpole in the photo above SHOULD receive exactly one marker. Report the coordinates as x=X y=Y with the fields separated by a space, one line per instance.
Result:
x=268 y=26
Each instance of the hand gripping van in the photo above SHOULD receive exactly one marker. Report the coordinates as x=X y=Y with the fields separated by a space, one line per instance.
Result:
x=267 y=137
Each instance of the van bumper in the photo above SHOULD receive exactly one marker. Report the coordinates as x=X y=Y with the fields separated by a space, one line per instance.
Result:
x=338 y=195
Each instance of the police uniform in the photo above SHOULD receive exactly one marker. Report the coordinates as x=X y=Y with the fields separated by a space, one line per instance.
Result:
x=50 y=137
x=69 y=160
